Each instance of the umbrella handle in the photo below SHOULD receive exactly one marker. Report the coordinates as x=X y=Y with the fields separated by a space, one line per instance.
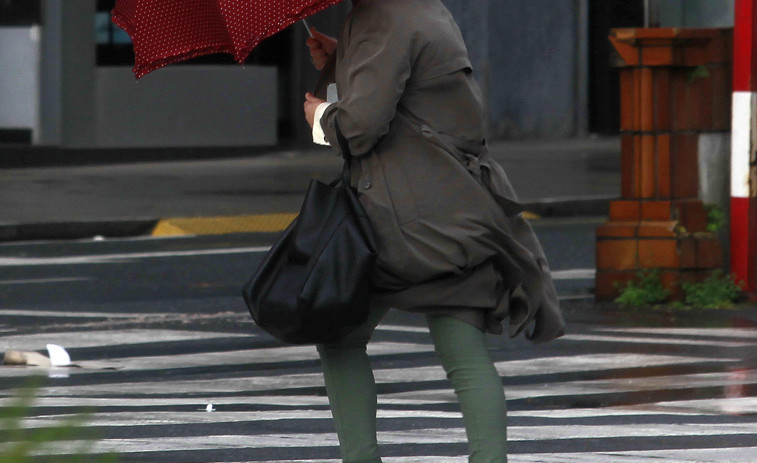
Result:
x=307 y=27
x=326 y=77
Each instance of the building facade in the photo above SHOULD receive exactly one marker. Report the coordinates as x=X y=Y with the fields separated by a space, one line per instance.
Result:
x=65 y=78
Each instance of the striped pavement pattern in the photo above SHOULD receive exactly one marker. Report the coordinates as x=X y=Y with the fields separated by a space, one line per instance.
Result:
x=600 y=394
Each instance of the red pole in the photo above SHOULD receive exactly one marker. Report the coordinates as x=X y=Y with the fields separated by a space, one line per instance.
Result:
x=744 y=135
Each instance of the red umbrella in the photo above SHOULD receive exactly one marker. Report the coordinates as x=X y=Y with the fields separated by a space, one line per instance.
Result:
x=168 y=31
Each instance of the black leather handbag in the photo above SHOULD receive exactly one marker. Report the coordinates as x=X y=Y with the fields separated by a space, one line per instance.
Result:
x=312 y=286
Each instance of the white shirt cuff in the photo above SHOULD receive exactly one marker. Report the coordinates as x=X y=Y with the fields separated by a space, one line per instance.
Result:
x=318 y=136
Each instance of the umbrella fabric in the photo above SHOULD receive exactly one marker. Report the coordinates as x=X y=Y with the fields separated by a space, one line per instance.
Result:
x=168 y=31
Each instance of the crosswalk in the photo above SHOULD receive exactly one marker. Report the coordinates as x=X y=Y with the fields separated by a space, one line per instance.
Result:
x=160 y=388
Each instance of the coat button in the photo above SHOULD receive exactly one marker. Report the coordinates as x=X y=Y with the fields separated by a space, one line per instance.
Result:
x=366 y=184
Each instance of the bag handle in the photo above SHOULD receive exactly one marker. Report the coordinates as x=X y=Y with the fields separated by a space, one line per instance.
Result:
x=346 y=154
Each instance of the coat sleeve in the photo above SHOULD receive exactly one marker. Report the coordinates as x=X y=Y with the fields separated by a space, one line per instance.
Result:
x=374 y=67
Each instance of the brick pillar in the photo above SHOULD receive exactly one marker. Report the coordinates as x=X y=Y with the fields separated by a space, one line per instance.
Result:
x=675 y=85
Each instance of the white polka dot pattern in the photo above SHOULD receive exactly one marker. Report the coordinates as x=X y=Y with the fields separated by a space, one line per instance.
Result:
x=168 y=31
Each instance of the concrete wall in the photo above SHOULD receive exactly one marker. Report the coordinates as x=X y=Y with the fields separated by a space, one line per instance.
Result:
x=530 y=59
x=186 y=106
x=83 y=105
x=50 y=75
x=19 y=62
x=532 y=55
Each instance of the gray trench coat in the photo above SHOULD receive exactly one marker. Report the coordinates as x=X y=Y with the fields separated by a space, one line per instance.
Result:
x=451 y=239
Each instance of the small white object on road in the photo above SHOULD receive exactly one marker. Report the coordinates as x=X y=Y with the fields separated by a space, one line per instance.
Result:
x=209 y=408
x=58 y=356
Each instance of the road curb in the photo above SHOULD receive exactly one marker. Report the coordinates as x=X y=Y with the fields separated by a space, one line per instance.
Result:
x=76 y=230
x=253 y=223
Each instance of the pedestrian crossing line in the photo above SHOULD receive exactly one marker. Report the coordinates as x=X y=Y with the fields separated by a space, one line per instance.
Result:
x=702 y=454
x=558 y=430
x=659 y=340
x=728 y=333
x=735 y=405
x=36 y=281
x=200 y=416
x=430 y=459
x=265 y=381
x=408 y=437
x=730 y=455
x=402 y=328
x=269 y=406
x=271 y=355
x=561 y=393
x=123 y=257
x=574 y=274
x=102 y=338
x=65 y=314
x=196 y=403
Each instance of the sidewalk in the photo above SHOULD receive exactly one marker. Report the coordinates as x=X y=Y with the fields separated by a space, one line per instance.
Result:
x=552 y=177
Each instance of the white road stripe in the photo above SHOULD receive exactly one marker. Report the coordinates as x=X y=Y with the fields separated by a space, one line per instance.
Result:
x=411 y=436
x=667 y=383
x=36 y=281
x=414 y=459
x=219 y=416
x=574 y=274
x=692 y=455
x=76 y=402
x=200 y=416
x=695 y=455
x=272 y=355
x=650 y=340
x=75 y=339
x=730 y=406
x=403 y=328
x=67 y=314
x=730 y=332
x=270 y=381
x=77 y=396
x=120 y=258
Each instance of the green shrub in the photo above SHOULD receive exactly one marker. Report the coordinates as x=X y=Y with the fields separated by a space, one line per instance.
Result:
x=718 y=291
x=20 y=444
x=647 y=289
x=715 y=217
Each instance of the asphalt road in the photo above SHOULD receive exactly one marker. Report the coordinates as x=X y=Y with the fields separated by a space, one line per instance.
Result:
x=160 y=336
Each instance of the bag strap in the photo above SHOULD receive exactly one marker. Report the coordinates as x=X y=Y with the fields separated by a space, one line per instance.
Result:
x=346 y=154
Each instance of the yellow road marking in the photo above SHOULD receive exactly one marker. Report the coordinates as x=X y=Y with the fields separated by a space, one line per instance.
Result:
x=223 y=225
x=260 y=223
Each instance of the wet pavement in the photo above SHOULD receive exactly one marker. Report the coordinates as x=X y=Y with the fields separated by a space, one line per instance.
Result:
x=561 y=177
x=159 y=333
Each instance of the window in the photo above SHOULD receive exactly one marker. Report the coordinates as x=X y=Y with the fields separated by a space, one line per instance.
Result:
x=113 y=43
x=20 y=12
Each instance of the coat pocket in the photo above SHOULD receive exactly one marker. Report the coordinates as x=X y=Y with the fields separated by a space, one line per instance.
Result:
x=385 y=185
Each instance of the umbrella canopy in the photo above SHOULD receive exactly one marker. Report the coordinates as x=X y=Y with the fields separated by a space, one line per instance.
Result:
x=168 y=31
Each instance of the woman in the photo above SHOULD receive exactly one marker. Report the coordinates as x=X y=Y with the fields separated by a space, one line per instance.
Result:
x=452 y=244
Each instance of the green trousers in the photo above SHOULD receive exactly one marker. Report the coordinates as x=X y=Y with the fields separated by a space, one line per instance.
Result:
x=464 y=355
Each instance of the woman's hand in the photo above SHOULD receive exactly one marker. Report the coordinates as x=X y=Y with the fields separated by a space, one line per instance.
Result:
x=321 y=48
x=311 y=104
